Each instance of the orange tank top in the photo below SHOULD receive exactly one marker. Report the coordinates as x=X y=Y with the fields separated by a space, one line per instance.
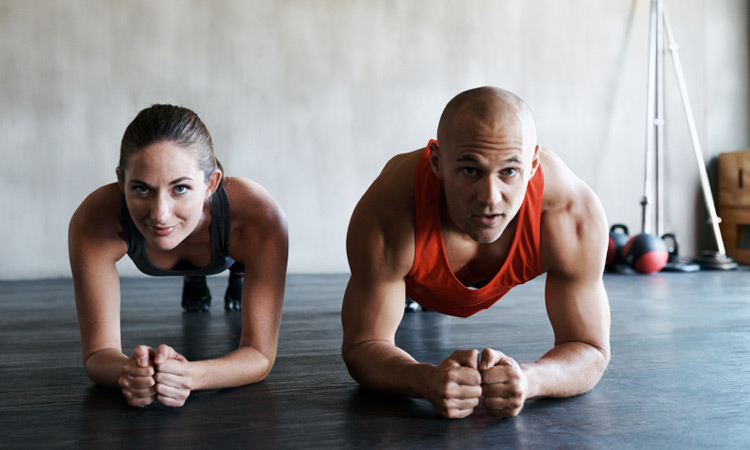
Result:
x=432 y=283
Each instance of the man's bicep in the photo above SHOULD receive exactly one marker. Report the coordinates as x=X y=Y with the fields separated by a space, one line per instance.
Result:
x=576 y=300
x=578 y=310
x=372 y=310
x=380 y=253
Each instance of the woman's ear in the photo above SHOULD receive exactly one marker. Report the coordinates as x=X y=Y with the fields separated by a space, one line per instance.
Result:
x=120 y=180
x=214 y=181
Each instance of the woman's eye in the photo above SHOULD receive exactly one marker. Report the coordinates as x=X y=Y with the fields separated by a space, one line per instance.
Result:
x=181 y=189
x=140 y=190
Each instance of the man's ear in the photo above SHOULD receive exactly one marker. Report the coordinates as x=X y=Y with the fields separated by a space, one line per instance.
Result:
x=214 y=180
x=535 y=160
x=434 y=148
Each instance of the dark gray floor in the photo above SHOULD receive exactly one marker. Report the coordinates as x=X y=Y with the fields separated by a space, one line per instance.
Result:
x=679 y=376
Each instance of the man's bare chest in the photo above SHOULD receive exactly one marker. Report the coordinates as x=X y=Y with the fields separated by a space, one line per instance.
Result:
x=472 y=262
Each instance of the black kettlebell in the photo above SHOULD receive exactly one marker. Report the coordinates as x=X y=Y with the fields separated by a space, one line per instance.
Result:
x=673 y=246
x=618 y=237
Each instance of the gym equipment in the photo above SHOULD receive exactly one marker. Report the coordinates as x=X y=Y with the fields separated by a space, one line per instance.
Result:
x=646 y=253
x=674 y=264
x=617 y=240
x=715 y=260
x=660 y=25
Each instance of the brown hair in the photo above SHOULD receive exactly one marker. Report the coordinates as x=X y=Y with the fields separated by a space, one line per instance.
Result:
x=160 y=123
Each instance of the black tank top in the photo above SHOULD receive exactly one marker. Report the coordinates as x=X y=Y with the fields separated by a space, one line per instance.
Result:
x=220 y=228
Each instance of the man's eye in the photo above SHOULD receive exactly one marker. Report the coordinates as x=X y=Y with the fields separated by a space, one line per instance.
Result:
x=509 y=172
x=470 y=171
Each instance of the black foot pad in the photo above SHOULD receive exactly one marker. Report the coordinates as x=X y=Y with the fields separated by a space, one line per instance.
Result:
x=233 y=295
x=195 y=295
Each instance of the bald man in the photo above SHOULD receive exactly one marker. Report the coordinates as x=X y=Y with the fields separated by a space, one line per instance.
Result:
x=455 y=226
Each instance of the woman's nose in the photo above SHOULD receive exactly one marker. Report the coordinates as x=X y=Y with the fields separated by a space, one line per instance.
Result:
x=161 y=209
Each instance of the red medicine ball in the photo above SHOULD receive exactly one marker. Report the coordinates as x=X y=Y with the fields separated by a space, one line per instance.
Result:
x=646 y=253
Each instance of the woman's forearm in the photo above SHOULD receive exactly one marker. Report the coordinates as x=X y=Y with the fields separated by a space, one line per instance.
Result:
x=103 y=366
x=242 y=366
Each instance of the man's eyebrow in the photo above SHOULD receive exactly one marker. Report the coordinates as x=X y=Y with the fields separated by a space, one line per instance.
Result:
x=473 y=159
x=467 y=158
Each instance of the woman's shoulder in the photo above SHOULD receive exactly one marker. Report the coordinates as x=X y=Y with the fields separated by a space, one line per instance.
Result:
x=95 y=227
x=99 y=213
x=251 y=204
x=258 y=222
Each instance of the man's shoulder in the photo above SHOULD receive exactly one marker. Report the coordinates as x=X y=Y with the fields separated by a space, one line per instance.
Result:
x=573 y=219
x=383 y=222
x=398 y=173
x=390 y=197
x=560 y=182
x=563 y=189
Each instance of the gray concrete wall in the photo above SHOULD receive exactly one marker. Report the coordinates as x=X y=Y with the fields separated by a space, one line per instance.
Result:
x=310 y=98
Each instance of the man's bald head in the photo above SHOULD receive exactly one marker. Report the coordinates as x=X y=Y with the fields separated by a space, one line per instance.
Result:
x=485 y=106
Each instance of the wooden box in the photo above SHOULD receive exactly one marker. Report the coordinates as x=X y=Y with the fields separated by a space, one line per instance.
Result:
x=734 y=203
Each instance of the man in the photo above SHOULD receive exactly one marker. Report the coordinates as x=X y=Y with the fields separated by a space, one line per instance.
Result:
x=454 y=226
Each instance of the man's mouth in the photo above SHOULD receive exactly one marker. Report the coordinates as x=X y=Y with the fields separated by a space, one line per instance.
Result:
x=488 y=219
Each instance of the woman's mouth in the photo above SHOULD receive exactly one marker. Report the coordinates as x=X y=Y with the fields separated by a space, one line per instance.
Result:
x=162 y=231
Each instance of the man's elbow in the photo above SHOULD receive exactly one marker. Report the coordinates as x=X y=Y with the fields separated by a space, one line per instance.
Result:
x=605 y=356
x=348 y=354
x=600 y=361
x=352 y=354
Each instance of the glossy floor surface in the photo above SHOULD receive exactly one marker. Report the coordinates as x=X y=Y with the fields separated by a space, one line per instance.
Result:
x=679 y=376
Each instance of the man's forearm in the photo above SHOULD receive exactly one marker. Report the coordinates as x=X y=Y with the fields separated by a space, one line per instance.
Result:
x=568 y=369
x=381 y=366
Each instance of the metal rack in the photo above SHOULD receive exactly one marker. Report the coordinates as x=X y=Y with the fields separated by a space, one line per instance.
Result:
x=654 y=164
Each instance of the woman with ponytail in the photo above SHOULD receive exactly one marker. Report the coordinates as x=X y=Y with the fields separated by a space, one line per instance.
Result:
x=174 y=213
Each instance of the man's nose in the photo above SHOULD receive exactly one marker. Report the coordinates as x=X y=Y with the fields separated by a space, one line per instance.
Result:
x=490 y=191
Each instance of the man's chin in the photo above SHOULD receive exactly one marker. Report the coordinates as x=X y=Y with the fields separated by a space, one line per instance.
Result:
x=485 y=236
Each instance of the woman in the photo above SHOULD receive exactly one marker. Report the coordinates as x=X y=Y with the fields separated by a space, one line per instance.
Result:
x=170 y=212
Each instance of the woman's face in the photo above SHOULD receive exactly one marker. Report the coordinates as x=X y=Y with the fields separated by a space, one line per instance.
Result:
x=165 y=191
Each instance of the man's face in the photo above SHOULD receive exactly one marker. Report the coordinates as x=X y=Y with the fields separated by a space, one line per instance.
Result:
x=485 y=168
